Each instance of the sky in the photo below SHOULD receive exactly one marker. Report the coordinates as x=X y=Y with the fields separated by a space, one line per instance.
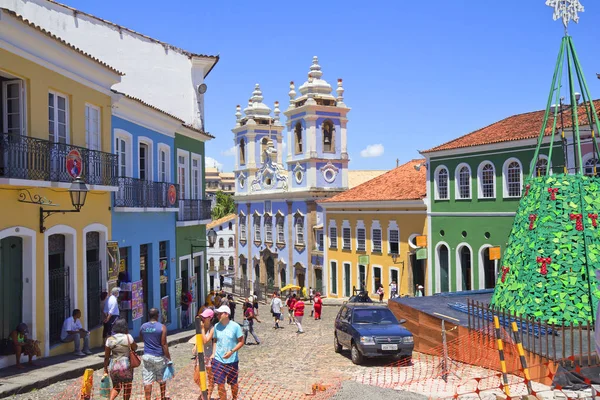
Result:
x=416 y=73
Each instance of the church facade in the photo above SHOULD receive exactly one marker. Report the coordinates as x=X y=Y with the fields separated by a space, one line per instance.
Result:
x=280 y=224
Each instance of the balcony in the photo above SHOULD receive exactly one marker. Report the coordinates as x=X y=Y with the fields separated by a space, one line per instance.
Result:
x=194 y=210
x=24 y=157
x=139 y=193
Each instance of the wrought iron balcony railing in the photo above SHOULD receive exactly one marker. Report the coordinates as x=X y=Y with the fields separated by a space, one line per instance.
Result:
x=194 y=210
x=140 y=193
x=24 y=157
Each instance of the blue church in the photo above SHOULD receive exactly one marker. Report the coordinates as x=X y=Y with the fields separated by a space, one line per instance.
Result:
x=280 y=235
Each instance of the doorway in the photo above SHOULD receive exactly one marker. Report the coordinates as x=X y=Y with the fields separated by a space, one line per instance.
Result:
x=94 y=279
x=11 y=282
x=464 y=255
x=144 y=262
x=59 y=301
x=418 y=272
x=362 y=277
x=282 y=277
x=319 y=281
x=347 y=279
x=444 y=262
x=270 y=274
x=489 y=269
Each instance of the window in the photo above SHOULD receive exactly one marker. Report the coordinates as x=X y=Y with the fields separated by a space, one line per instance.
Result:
x=512 y=178
x=280 y=232
x=298 y=138
x=58 y=118
x=92 y=127
x=221 y=243
x=328 y=137
x=333 y=237
x=441 y=182
x=222 y=263
x=376 y=278
x=333 y=277
x=143 y=156
x=269 y=229
x=13 y=107
x=394 y=241
x=242 y=152
x=487 y=180
x=121 y=149
x=230 y=226
x=196 y=177
x=463 y=182
x=300 y=231
x=182 y=175
x=242 y=228
x=163 y=163
x=361 y=239
x=346 y=245
x=541 y=166
x=591 y=167
x=376 y=240
x=230 y=242
x=320 y=240
x=230 y=263
x=257 y=237
x=211 y=263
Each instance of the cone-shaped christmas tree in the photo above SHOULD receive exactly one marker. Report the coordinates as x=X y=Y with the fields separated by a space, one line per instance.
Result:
x=548 y=267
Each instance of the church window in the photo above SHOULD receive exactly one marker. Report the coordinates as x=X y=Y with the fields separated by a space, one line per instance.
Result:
x=280 y=232
x=328 y=137
x=300 y=231
x=268 y=229
x=242 y=228
x=298 y=138
x=257 y=228
x=242 y=152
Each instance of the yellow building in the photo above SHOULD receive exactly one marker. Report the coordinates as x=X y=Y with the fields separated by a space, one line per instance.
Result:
x=371 y=234
x=55 y=120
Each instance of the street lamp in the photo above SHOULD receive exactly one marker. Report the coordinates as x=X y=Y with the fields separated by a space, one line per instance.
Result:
x=78 y=192
x=212 y=237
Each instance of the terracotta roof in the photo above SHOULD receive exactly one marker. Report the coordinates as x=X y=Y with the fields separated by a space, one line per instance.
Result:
x=142 y=102
x=62 y=41
x=198 y=130
x=358 y=177
x=517 y=127
x=119 y=27
x=401 y=183
x=217 y=222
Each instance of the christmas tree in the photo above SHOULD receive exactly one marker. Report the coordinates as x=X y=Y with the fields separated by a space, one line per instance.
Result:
x=549 y=265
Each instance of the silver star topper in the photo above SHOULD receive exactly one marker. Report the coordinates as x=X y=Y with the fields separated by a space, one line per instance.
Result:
x=566 y=9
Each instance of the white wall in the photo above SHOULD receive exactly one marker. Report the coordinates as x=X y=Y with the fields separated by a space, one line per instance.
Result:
x=161 y=76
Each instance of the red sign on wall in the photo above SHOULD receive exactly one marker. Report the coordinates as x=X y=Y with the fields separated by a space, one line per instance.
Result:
x=74 y=164
x=172 y=194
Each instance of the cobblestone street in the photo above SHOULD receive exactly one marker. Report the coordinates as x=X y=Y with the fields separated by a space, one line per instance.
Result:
x=284 y=359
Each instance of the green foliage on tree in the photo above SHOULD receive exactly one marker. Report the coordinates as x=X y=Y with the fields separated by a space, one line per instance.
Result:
x=548 y=268
x=225 y=206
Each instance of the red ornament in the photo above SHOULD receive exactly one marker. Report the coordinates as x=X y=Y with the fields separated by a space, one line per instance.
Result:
x=544 y=261
x=578 y=221
x=594 y=218
x=532 y=218
x=504 y=272
x=527 y=187
x=552 y=192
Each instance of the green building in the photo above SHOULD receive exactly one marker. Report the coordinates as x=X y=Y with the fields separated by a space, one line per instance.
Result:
x=193 y=215
x=474 y=186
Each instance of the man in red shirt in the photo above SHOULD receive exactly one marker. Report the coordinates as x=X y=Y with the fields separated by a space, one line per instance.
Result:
x=290 y=304
x=298 y=314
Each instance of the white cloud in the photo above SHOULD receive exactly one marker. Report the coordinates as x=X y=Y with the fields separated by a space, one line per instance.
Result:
x=230 y=152
x=212 y=163
x=372 y=150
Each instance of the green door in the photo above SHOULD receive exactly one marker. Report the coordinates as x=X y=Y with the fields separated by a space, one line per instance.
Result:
x=319 y=281
x=11 y=282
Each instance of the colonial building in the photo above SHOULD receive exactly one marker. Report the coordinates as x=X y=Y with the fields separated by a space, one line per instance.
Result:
x=371 y=234
x=222 y=255
x=474 y=186
x=280 y=232
x=55 y=121
x=219 y=181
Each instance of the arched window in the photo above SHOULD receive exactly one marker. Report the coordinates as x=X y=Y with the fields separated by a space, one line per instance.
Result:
x=242 y=152
x=441 y=183
x=221 y=243
x=541 y=166
x=512 y=178
x=591 y=167
x=444 y=265
x=328 y=145
x=263 y=149
x=487 y=180
x=231 y=261
x=298 y=138
x=463 y=182
x=230 y=224
x=221 y=263
x=300 y=231
x=464 y=259
x=211 y=263
x=230 y=242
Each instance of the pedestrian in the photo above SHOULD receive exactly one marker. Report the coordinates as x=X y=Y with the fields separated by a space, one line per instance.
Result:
x=111 y=310
x=217 y=300
x=185 y=301
x=318 y=306
x=393 y=290
x=23 y=345
x=249 y=318
x=299 y=314
x=255 y=303
x=276 y=306
x=156 y=354
x=380 y=293
x=116 y=359
x=72 y=331
x=419 y=291
x=290 y=305
x=228 y=339
x=208 y=330
x=311 y=294
x=232 y=305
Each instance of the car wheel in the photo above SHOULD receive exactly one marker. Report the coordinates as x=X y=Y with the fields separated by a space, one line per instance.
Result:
x=337 y=347
x=357 y=357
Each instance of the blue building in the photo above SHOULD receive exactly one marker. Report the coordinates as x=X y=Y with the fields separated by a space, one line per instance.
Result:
x=280 y=231
x=145 y=206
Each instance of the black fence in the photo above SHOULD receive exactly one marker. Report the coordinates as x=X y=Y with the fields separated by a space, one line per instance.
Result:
x=94 y=291
x=24 y=157
x=194 y=210
x=59 y=305
x=140 y=193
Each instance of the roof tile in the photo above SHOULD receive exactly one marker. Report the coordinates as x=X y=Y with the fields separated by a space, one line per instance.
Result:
x=217 y=222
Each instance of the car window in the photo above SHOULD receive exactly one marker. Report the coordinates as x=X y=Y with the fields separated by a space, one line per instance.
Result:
x=342 y=312
x=346 y=314
x=374 y=316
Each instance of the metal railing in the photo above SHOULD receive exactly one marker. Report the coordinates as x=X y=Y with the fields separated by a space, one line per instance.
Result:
x=194 y=210
x=59 y=302
x=24 y=157
x=134 y=192
x=94 y=292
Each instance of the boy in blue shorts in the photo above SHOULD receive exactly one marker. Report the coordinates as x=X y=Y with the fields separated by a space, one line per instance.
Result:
x=228 y=339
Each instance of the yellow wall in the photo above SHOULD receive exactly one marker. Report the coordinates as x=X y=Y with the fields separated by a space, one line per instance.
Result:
x=408 y=224
x=38 y=82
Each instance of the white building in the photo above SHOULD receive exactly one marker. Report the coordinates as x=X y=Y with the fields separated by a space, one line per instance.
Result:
x=222 y=257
